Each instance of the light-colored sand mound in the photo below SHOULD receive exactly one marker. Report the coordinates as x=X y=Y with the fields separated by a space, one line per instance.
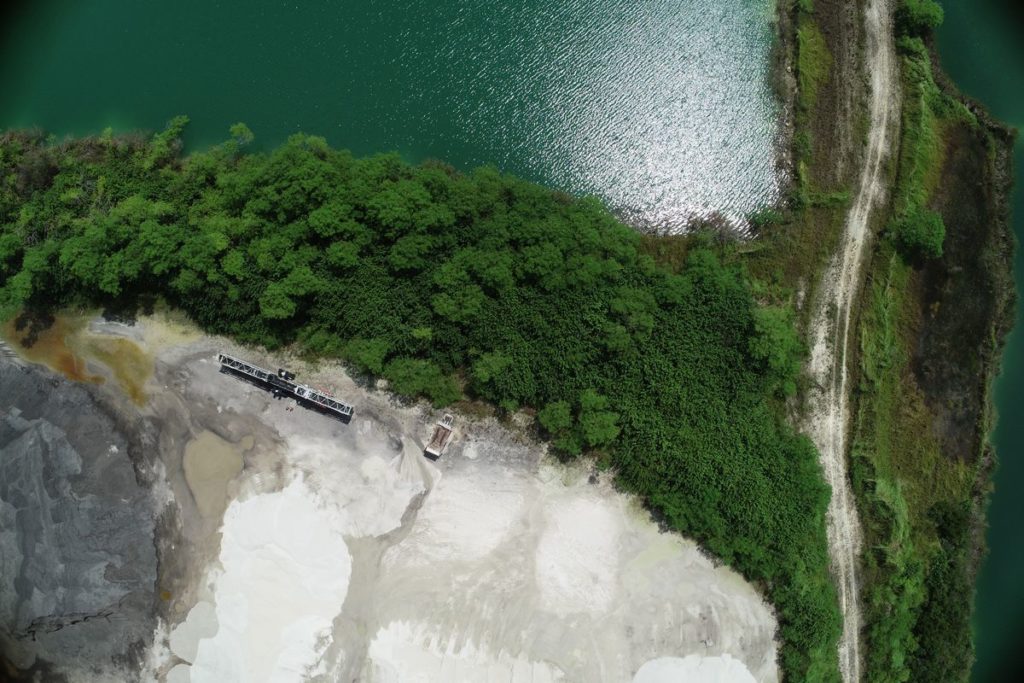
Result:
x=406 y=653
x=200 y=623
x=369 y=481
x=572 y=575
x=463 y=520
x=285 y=575
x=694 y=669
x=577 y=556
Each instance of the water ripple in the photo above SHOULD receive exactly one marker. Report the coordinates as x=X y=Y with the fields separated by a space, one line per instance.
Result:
x=663 y=109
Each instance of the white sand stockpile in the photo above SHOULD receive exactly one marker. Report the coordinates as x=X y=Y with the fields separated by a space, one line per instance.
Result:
x=518 y=574
x=200 y=623
x=695 y=669
x=463 y=520
x=285 y=575
x=576 y=568
x=407 y=653
x=371 y=487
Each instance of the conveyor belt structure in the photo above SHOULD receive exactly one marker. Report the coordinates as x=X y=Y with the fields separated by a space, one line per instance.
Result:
x=277 y=383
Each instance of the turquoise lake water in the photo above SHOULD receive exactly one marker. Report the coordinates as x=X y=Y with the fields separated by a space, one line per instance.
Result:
x=662 y=108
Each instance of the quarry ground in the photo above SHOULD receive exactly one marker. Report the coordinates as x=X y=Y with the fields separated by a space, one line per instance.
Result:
x=291 y=544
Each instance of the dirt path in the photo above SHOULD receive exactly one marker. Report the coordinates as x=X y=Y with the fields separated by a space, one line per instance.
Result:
x=829 y=420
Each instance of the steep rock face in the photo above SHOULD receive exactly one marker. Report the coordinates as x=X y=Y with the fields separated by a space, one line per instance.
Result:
x=77 y=560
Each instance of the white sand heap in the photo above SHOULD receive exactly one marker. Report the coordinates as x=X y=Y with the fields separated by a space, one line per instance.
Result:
x=694 y=668
x=407 y=653
x=513 y=575
x=285 y=575
x=574 y=570
x=200 y=623
x=369 y=485
x=463 y=520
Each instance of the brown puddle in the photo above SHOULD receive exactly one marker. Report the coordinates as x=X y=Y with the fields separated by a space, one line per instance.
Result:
x=132 y=367
x=210 y=463
x=64 y=343
x=49 y=346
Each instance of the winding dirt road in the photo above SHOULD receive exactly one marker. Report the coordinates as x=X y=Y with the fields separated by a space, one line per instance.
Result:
x=828 y=417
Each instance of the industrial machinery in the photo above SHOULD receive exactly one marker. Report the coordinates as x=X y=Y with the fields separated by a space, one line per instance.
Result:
x=281 y=385
x=441 y=438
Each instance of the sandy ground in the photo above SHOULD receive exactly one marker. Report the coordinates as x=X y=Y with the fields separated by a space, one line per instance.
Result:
x=210 y=463
x=829 y=418
x=705 y=669
x=284 y=575
x=337 y=552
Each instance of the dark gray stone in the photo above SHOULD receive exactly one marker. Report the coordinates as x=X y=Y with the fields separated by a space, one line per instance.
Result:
x=77 y=559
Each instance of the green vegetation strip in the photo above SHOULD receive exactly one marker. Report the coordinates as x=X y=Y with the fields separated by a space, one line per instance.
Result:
x=915 y=500
x=454 y=285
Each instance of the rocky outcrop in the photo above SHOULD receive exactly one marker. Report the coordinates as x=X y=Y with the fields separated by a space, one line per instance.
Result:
x=77 y=560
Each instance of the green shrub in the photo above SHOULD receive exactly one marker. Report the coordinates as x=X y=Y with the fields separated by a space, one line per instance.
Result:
x=775 y=342
x=943 y=629
x=368 y=354
x=919 y=234
x=918 y=17
x=415 y=377
x=814 y=62
x=765 y=218
x=556 y=417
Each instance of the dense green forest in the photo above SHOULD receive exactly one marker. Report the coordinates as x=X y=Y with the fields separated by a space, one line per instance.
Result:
x=450 y=285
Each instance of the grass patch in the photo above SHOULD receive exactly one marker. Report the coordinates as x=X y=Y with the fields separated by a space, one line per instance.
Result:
x=814 y=61
x=894 y=424
x=898 y=473
x=904 y=483
x=928 y=115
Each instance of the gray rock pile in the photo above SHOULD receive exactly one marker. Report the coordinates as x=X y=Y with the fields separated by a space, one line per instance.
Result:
x=77 y=560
